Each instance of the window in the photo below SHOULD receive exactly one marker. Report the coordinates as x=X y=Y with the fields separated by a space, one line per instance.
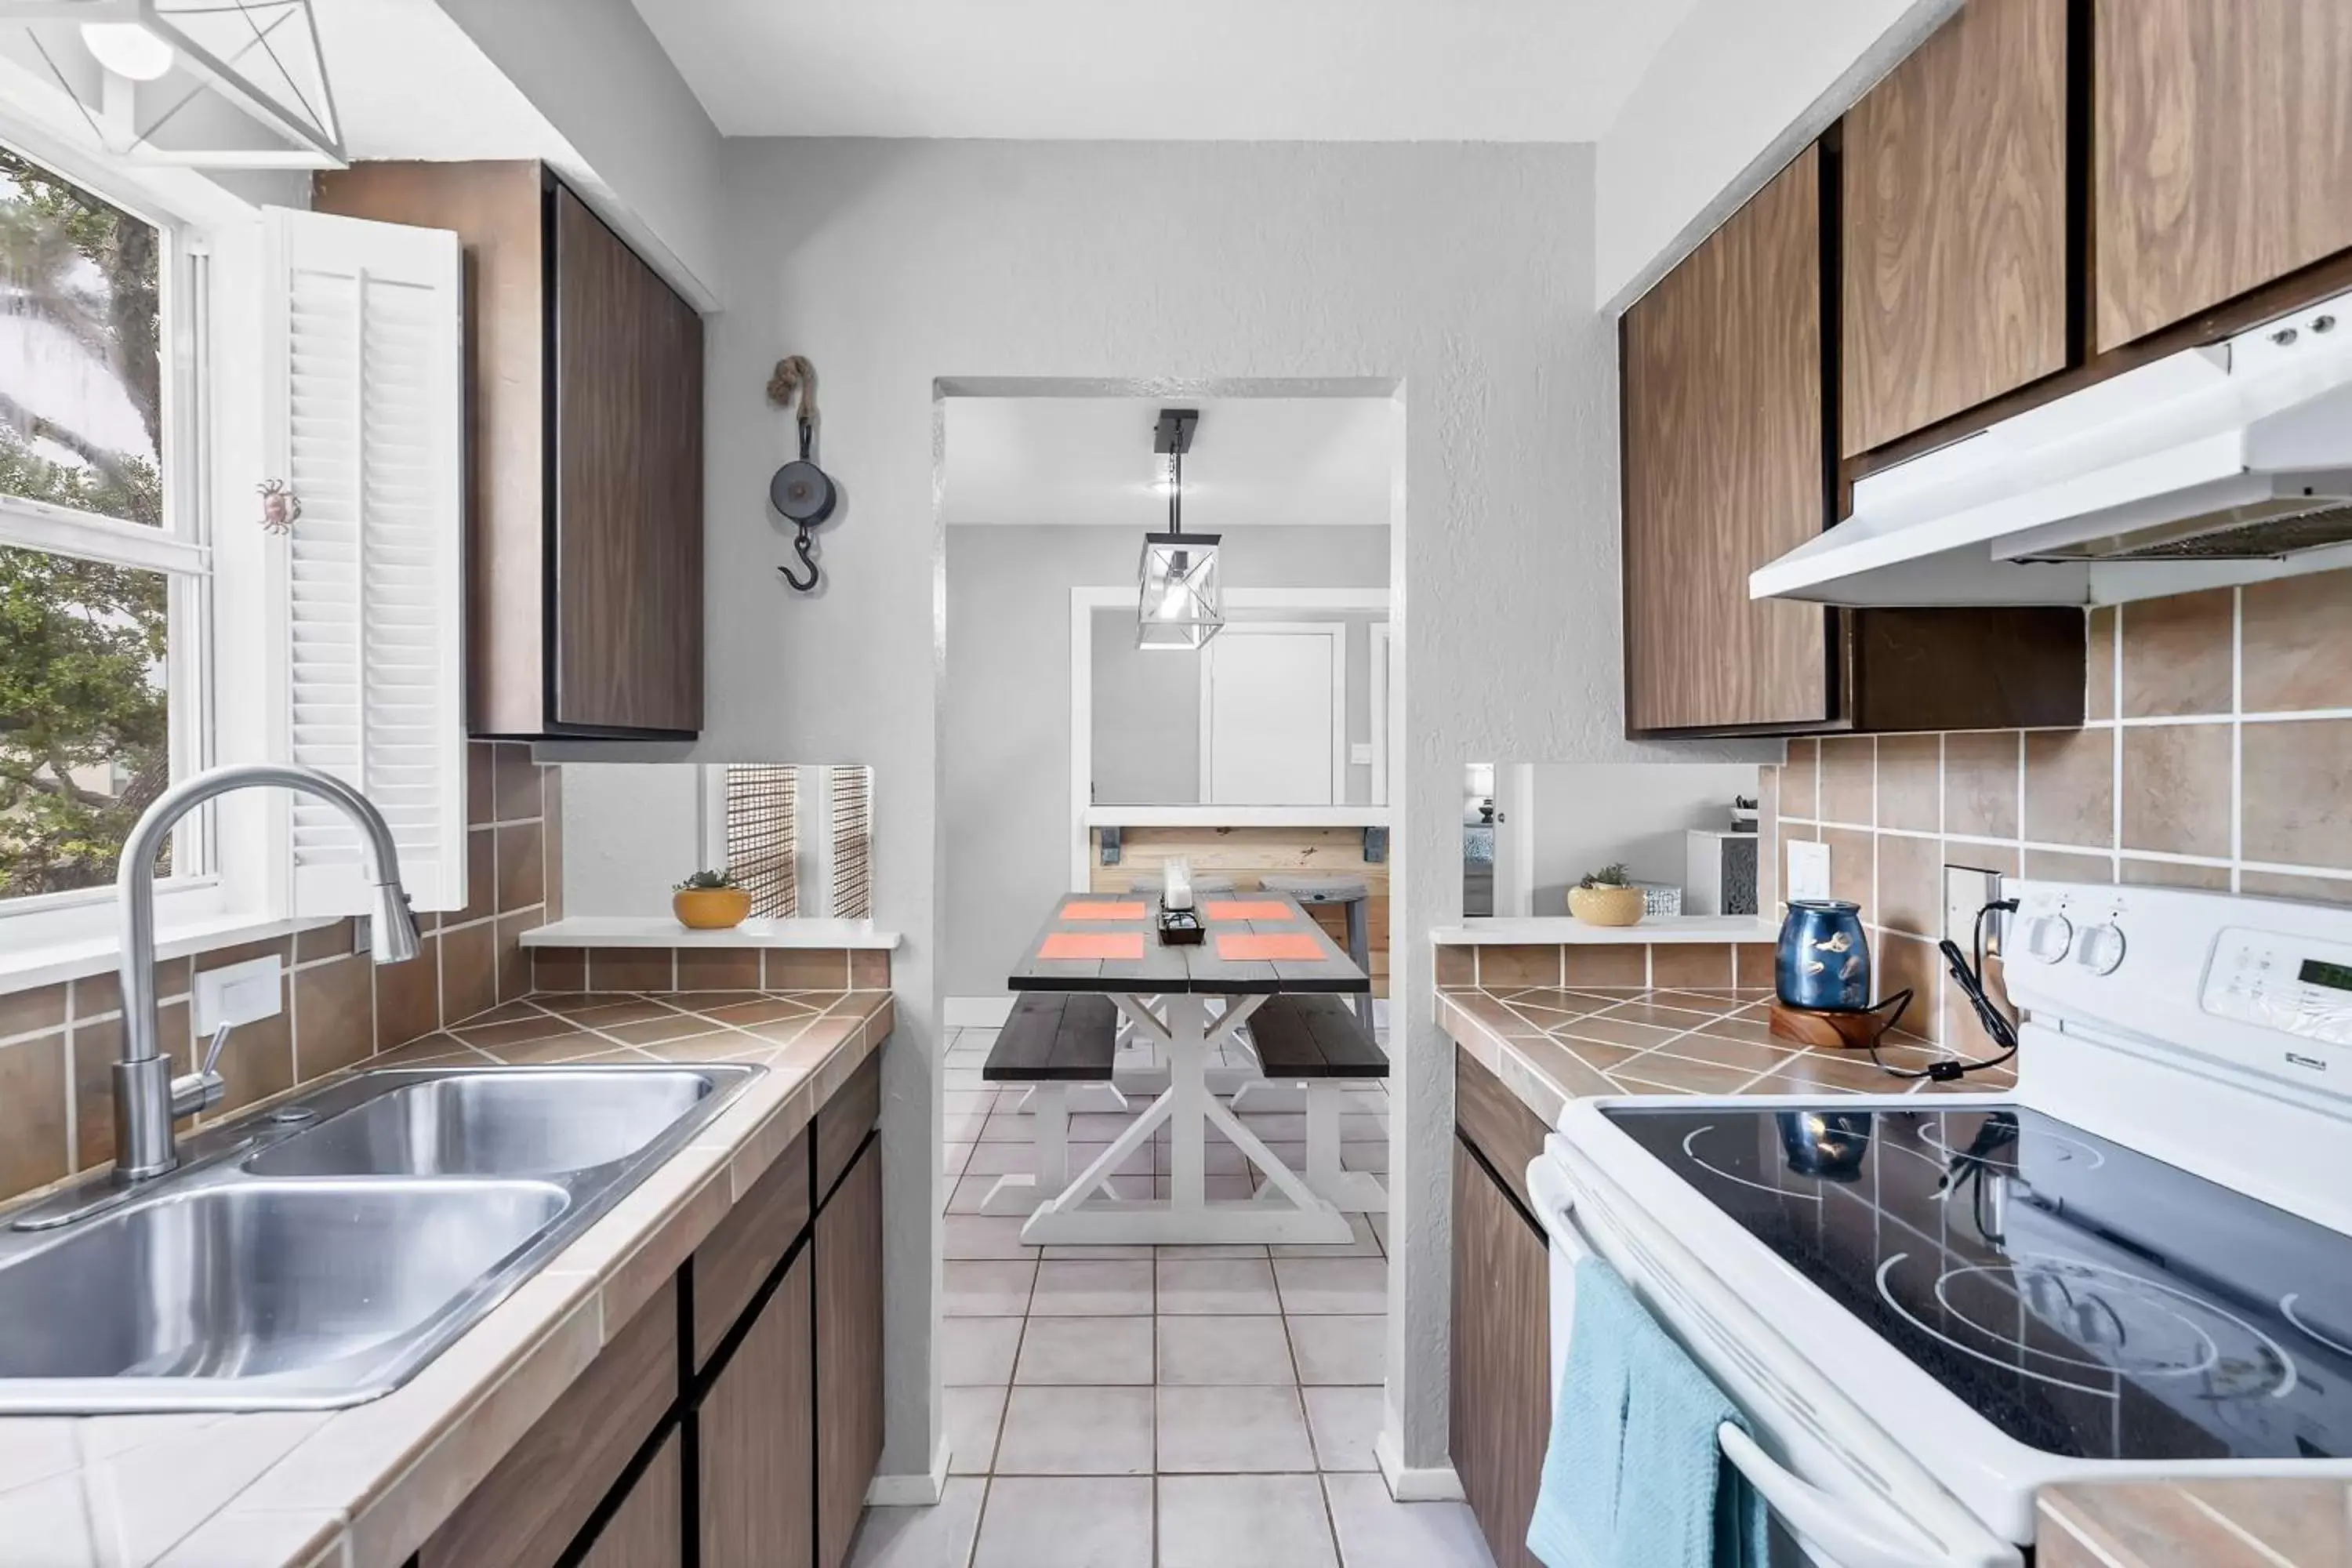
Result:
x=762 y=805
x=102 y=577
x=853 y=842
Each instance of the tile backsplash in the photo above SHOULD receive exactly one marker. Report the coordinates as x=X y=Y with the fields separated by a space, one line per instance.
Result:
x=2217 y=753
x=59 y=1043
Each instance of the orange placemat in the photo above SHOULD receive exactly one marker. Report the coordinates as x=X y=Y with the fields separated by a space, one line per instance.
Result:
x=1297 y=944
x=1248 y=910
x=1121 y=912
x=1091 y=944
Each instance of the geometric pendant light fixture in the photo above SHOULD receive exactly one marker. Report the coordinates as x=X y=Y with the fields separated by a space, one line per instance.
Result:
x=1180 y=604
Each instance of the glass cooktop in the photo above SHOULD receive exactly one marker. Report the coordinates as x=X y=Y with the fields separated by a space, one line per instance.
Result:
x=2084 y=1299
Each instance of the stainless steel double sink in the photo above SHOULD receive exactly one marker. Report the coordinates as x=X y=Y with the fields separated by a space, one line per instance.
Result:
x=318 y=1254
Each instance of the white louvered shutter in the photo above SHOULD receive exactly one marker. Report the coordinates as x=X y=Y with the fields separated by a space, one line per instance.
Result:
x=364 y=415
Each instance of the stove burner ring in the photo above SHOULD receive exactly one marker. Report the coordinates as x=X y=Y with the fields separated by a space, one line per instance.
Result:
x=1931 y=1136
x=2147 y=1290
x=2286 y=1311
x=1701 y=1162
x=2208 y=1354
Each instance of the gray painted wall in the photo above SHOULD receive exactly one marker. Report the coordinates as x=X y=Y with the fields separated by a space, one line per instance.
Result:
x=1589 y=815
x=1460 y=274
x=1006 y=722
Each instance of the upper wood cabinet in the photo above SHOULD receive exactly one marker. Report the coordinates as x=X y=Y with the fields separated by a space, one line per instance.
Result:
x=1725 y=468
x=2222 y=151
x=584 y=454
x=1955 y=222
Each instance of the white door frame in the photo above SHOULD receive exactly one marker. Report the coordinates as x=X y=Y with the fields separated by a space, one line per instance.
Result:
x=1084 y=603
x=1333 y=632
x=1376 y=669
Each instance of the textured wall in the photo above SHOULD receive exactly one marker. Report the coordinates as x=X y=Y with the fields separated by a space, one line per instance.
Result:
x=1461 y=272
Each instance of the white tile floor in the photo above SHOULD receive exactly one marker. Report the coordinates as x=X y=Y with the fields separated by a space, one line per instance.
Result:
x=1159 y=1407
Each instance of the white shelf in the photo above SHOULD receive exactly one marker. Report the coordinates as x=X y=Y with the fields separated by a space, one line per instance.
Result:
x=1563 y=931
x=635 y=930
x=1237 y=816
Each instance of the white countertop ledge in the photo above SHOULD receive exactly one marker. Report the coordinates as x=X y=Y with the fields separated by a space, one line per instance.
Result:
x=1564 y=930
x=640 y=930
x=1237 y=816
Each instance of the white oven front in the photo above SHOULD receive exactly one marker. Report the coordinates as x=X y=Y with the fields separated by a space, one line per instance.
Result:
x=1839 y=1493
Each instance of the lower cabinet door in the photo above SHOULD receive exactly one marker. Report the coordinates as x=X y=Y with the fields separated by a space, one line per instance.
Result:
x=1501 y=1414
x=757 y=1437
x=848 y=1353
x=648 y=1531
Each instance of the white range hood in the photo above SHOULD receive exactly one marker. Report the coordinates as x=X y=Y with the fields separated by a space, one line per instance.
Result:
x=2228 y=463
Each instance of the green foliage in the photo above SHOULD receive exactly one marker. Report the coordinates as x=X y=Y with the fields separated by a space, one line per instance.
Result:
x=84 y=726
x=1614 y=876
x=706 y=879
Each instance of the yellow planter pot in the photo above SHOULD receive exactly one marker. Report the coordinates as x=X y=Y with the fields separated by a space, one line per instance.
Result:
x=710 y=909
x=1606 y=906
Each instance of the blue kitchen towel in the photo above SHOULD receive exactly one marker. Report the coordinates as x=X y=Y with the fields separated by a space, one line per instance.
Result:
x=1633 y=1477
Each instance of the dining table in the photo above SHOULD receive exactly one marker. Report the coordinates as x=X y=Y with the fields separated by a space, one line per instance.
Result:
x=1187 y=999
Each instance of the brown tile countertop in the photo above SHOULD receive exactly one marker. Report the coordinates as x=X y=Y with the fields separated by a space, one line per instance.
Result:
x=2251 y=1523
x=363 y=1488
x=1549 y=1044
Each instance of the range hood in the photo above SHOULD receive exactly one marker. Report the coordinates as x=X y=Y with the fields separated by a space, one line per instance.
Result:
x=2226 y=463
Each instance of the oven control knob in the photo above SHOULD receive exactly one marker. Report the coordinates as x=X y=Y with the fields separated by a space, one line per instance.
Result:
x=2100 y=949
x=2047 y=938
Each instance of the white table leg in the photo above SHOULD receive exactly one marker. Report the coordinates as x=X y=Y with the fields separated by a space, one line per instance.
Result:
x=1353 y=1191
x=1188 y=1093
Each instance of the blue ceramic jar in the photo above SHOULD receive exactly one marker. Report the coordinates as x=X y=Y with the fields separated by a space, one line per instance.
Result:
x=1823 y=963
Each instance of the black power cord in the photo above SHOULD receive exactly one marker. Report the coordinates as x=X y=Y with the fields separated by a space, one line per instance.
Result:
x=1969 y=978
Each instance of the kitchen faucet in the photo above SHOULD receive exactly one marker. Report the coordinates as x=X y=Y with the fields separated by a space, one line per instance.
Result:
x=147 y=1098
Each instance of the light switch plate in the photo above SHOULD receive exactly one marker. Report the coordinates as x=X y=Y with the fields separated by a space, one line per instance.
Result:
x=1809 y=870
x=238 y=993
x=1359 y=753
x=1967 y=889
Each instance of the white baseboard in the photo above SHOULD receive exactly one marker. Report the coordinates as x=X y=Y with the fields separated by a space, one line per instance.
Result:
x=978 y=1012
x=911 y=1491
x=1435 y=1483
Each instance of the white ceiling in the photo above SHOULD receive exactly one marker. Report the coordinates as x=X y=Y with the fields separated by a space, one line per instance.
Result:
x=1087 y=461
x=1210 y=70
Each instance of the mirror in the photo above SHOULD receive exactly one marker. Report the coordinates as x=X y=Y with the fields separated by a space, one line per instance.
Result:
x=799 y=838
x=1530 y=831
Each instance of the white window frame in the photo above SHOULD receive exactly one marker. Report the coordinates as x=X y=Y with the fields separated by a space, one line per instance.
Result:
x=222 y=856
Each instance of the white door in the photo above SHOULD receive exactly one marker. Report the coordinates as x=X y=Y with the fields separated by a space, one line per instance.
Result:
x=1274 y=715
x=1514 y=840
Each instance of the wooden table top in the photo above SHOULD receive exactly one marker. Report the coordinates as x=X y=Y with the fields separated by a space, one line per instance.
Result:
x=1253 y=944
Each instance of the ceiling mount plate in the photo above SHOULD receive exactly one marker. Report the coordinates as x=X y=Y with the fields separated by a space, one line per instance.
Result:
x=1173 y=435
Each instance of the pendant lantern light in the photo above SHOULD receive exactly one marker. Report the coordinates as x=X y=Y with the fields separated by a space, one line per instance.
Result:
x=1180 y=604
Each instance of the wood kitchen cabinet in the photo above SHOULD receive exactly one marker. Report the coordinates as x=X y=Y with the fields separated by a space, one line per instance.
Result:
x=1725 y=468
x=848 y=1248
x=1501 y=1405
x=758 y=1438
x=1954 y=247
x=647 y=1530
x=584 y=454
x=2221 y=152
x=1728 y=456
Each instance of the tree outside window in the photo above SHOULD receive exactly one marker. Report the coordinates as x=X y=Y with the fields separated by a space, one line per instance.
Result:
x=85 y=731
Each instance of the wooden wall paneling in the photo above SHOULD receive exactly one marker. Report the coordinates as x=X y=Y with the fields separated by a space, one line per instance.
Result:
x=848 y=1353
x=1954 y=254
x=2222 y=152
x=494 y=208
x=648 y=1529
x=1725 y=468
x=1500 y=1406
x=628 y=487
x=532 y=1506
x=756 y=1436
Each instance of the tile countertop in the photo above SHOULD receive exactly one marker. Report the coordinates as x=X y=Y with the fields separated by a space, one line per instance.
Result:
x=2256 y=1523
x=1549 y=1044
x=362 y=1487
x=633 y=930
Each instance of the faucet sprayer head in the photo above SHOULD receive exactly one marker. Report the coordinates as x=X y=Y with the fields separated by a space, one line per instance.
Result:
x=392 y=926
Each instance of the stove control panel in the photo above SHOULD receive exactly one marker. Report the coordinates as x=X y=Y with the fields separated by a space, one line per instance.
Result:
x=2298 y=985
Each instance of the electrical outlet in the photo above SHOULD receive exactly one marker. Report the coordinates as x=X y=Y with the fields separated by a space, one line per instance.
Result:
x=1967 y=889
x=238 y=993
x=1809 y=870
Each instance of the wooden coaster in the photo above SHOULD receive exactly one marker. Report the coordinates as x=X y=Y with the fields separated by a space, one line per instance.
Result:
x=1831 y=1031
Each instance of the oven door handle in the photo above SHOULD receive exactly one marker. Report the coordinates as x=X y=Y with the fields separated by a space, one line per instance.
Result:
x=1820 y=1519
x=1555 y=1206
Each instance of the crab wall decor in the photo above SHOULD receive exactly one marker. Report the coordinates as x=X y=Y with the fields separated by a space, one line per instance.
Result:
x=280 y=507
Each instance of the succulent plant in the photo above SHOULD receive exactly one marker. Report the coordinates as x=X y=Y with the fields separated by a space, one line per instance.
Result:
x=722 y=878
x=1614 y=876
